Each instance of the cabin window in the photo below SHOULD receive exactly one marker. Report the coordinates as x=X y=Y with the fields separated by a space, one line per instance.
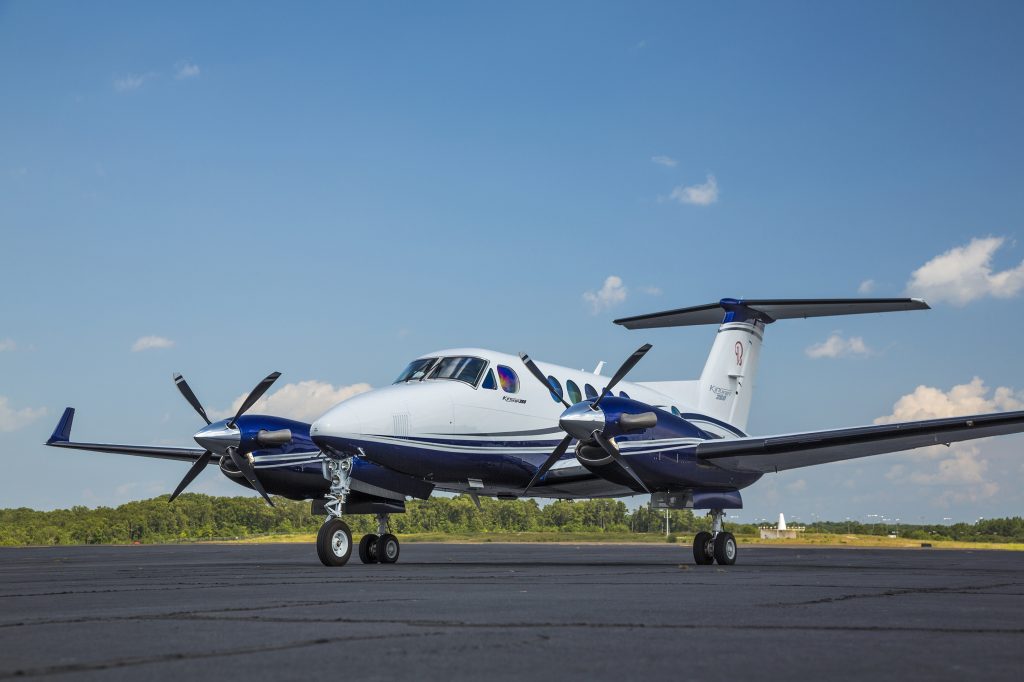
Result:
x=556 y=389
x=508 y=379
x=675 y=411
x=623 y=394
x=415 y=370
x=589 y=390
x=574 y=391
x=460 y=368
x=489 y=381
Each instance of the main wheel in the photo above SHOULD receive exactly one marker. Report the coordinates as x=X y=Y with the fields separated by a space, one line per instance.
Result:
x=387 y=549
x=368 y=549
x=725 y=549
x=334 y=543
x=703 y=552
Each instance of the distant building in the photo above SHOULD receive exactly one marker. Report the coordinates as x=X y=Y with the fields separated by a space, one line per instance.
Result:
x=781 y=531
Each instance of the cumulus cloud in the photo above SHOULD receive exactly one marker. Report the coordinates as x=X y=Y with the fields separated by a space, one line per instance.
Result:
x=7 y=344
x=964 y=274
x=12 y=419
x=835 y=346
x=961 y=464
x=151 y=342
x=183 y=70
x=131 y=81
x=304 y=400
x=612 y=293
x=866 y=287
x=663 y=160
x=700 y=195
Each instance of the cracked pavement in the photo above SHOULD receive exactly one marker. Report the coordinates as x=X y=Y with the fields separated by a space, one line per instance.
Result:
x=503 y=611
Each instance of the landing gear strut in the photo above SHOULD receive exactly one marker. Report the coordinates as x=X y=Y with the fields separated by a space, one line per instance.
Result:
x=718 y=545
x=334 y=541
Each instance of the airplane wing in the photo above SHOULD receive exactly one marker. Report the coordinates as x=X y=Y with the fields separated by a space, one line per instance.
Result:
x=778 y=453
x=61 y=438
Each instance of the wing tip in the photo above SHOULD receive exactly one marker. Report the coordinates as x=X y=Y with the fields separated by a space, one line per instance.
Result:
x=62 y=433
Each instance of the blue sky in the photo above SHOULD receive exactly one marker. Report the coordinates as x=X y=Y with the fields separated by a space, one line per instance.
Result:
x=331 y=189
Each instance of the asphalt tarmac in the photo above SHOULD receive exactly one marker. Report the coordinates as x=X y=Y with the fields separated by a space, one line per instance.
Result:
x=502 y=611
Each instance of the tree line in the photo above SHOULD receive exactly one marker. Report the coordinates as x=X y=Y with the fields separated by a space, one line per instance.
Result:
x=201 y=517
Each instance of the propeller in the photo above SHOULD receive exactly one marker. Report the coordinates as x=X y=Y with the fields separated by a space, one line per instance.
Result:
x=217 y=438
x=591 y=422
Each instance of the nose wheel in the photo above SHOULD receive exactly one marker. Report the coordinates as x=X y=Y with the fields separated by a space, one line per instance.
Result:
x=334 y=543
x=718 y=545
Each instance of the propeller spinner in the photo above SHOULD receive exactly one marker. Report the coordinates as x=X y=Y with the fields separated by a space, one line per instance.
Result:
x=585 y=421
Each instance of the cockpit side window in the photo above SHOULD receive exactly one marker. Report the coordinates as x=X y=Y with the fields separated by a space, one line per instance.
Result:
x=489 y=381
x=508 y=379
x=415 y=370
x=459 y=368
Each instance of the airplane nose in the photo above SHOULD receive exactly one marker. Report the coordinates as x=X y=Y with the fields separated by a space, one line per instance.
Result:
x=581 y=420
x=339 y=420
x=217 y=437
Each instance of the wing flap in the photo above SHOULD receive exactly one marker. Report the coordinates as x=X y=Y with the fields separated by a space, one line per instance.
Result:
x=792 y=451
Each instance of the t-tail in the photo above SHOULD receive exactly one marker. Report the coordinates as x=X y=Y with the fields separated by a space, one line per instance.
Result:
x=727 y=383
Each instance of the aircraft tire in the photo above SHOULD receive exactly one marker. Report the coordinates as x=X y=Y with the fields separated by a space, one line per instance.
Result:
x=701 y=549
x=334 y=543
x=725 y=549
x=368 y=548
x=388 y=549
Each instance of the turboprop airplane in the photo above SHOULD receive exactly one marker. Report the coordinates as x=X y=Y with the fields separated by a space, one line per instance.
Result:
x=467 y=420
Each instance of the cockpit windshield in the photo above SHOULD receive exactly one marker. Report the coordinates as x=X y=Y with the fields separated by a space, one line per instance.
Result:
x=415 y=370
x=459 y=368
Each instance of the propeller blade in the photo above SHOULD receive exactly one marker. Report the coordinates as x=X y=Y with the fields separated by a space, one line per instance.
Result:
x=550 y=461
x=629 y=364
x=190 y=397
x=197 y=466
x=614 y=453
x=245 y=466
x=253 y=396
x=535 y=371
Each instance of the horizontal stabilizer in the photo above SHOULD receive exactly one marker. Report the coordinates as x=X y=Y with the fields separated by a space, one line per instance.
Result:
x=768 y=310
x=791 y=451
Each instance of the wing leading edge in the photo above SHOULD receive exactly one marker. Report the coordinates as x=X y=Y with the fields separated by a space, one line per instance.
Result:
x=777 y=453
x=61 y=438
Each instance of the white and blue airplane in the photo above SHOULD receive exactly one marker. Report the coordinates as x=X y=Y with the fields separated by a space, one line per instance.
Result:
x=469 y=420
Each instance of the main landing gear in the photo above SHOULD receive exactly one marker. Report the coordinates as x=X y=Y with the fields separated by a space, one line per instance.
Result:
x=334 y=541
x=718 y=545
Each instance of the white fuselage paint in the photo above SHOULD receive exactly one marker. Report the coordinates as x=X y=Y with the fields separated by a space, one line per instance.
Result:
x=474 y=419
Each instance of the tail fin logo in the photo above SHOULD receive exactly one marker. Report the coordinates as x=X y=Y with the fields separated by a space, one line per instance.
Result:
x=738 y=350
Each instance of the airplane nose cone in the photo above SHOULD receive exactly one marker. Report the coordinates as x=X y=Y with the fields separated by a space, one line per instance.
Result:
x=217 y=437
x=581 y=420
x=329 y=432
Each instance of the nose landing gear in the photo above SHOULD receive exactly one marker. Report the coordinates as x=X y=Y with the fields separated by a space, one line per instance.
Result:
x=718 y=545
x=334 y=541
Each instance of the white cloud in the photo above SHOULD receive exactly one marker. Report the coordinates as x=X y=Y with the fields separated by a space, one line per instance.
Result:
x=304 y=401
x=964 y=274
x=866 y=287
x=797 y=486
x=183 y=70
x=667 y=161
x=151 y=342
x=12 y=420
x=132 y=81
x=7 y=344
x=612 y=293
x=699 y=195
x=835 y=346
x=652 y=291
x=961 y=464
